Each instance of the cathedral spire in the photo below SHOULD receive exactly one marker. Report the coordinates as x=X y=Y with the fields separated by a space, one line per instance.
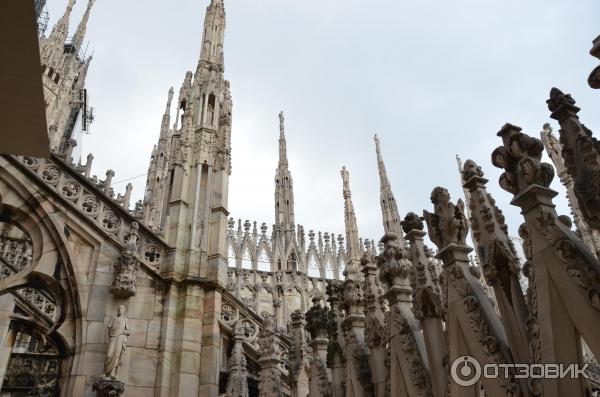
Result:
x=81 y=28
x=389 y=209
x=352 y=241
x=284 y=187
x=213 y=36
x=282 y=144
x=60 y=30
x=164 y=128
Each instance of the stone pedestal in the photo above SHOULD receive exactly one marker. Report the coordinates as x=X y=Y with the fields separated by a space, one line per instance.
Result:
x=108 y=388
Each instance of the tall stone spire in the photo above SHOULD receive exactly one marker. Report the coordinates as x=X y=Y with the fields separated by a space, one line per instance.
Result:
x=81 y=28
x=352 y=241
x=191 y=201
x=389 y=209
x=284 y=188
x=164 y=128
x=282 y=144
x=60 y=30
x=214 y=35
x=158 y=172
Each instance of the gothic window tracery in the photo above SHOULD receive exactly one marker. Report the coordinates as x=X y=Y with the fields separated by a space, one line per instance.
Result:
x=33 y=366
x=16 y=250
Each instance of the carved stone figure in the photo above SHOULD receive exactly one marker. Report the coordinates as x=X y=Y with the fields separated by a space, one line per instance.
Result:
x=447 y=224
x=125 y=283
x=117 y=332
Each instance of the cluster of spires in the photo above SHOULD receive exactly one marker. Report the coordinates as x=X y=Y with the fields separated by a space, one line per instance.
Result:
x=284 y=196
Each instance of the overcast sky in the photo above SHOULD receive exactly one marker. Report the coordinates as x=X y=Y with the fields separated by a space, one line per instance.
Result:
x=432 y=78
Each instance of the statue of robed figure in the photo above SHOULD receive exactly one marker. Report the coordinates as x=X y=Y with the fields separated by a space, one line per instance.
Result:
x=116 y=335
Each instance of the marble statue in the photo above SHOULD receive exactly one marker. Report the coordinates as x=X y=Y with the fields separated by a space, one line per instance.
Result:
x=116 y=335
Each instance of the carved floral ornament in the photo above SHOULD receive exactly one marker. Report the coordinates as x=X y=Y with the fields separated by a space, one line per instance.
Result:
x=521 y=157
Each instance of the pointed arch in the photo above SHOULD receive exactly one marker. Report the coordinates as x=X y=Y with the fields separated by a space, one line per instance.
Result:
x=246 y=258
x=231 y=255
x=263 y=261
x=50 y=280
x=313 y=268
x=329 y=269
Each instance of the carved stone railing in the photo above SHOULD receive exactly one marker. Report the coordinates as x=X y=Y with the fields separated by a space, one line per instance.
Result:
x=321 y=255
x=42 y=302
x=95 y=201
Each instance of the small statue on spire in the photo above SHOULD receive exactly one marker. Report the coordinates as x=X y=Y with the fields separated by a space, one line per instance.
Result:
x=281 y=123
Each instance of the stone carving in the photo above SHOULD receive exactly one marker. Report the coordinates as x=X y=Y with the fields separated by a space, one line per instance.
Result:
x=470 y=314
x=125 y=283
x=91 y=197
x=317 y=325
x=16 y=251
x=447 y=224
x=32 y=367
x=500 y=262
x=335 y=351
x=40 y=300
x=589 y=236
x=580 y=151
x=594 y=79
x=525 y=150
x=317 y=319
x=237 y=384
x=108 y=388
x=427 y=307
x=116 y=336
x=555 y=255
x=408 y=358
x=270 y=360
x=286 y=250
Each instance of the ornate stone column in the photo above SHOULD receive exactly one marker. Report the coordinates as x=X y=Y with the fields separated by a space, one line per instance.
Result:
x=564 y=274
x=335 y=350
x=499 y=260
x=375 y=336
x=237 y=383
x=409 y=372
x=358 y=374
x=427 y=303
x=473 y=326
x=270 y=359
x=316 y=324
x=299 y=356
